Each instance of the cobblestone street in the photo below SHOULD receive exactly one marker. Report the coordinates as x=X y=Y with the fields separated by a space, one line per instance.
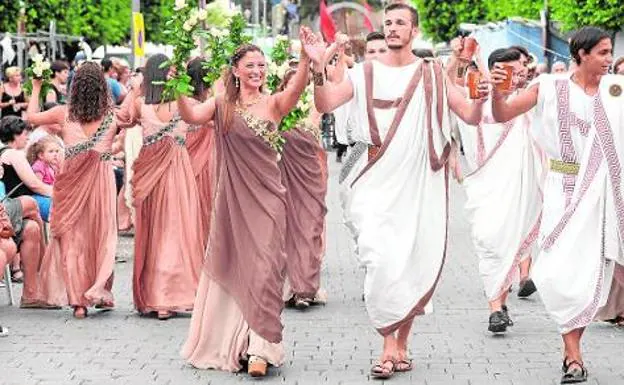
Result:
x=334 y=344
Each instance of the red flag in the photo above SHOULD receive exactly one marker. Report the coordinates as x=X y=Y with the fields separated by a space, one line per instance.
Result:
x=328 y=28
x=367 y=18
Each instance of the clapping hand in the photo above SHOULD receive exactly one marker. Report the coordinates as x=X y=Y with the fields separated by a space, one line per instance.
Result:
x=313 y=46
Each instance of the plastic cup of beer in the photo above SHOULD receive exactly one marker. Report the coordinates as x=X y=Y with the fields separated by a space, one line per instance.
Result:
x=506 y=85
x=474 y=77
x=470 y=46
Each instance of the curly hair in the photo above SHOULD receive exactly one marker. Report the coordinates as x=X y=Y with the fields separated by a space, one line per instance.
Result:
x=32 y=154
x=90 y=98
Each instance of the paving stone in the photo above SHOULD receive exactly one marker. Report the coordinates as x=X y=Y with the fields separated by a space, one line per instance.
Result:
x=332 y=344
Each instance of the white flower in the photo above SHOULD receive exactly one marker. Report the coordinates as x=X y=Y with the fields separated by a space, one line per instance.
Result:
x=179 y=4
x=281 y=71
x=188 y=27
x=202 y=14
x=45 y=65
x=218 y=33
x=37 y=58
x=279 y=38
x=38 y=71
x=301 y=105
x=295 y=46
x=273 y=68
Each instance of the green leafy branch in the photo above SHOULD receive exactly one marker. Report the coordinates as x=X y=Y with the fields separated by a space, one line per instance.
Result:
x=221 y=44
x=180 y=31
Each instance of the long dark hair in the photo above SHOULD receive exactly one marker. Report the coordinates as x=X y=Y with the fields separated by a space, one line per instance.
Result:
x=195 y=69
x=154 y=73
x=231 y=90
x=89 y=96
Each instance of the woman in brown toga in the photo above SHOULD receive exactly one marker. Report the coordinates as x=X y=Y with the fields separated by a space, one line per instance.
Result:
x=304 y=175
x=239 y=300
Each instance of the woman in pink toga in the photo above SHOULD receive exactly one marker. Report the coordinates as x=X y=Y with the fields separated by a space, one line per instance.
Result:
x=168 y=249
x=239 y=300
x=200 y=145
x=77 y=268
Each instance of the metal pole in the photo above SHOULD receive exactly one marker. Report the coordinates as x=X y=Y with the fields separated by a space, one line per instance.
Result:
x=546 y=35
x=136 y=7
x=255 y=12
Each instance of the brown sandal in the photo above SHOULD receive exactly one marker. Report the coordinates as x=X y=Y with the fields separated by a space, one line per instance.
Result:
x=382 y=371
x=403 y=365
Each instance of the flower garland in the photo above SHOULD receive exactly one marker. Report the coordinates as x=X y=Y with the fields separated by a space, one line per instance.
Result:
x=221 y=44
x=277 y=69
x=180 y=31
x=39 y=69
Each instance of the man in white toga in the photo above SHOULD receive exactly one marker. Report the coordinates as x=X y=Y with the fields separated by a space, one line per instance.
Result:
x=399 y=206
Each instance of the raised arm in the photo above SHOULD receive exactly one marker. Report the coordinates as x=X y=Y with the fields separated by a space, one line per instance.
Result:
x=504 y=108
x=26 y=174
x=286 y=100
x=327 y=96
x=468 y=110
x=50 y=118
x=193 y=113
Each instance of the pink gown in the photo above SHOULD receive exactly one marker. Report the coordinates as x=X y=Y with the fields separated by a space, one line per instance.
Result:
x=77 y=268
x=200 y=145
x=168 y=249
x=239 y=300
x=305 y=179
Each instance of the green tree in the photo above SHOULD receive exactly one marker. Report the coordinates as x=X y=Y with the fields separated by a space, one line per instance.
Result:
x=440 y=20
x=607 y=14
x=500 y=10
x=156 y=13
x=99 y=21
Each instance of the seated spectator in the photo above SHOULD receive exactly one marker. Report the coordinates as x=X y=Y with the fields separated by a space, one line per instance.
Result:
x=8 y=250
x=19 y=178
x=44 y=156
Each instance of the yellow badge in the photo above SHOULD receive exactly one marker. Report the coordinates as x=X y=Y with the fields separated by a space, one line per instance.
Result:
x=615 y=90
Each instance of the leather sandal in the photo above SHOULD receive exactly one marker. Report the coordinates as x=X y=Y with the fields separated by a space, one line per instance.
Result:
x=381 y=370
x=403 y=365
x=575 y=373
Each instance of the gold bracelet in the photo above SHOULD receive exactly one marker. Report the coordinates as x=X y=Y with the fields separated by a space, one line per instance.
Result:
x=318 y=78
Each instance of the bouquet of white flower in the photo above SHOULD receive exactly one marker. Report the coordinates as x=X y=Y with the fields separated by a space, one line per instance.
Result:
x=39 y=69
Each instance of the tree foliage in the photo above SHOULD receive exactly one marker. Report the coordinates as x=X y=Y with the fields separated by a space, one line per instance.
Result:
x=440 y=20
x=99 y=21
x=500 y=10
x=607 y=14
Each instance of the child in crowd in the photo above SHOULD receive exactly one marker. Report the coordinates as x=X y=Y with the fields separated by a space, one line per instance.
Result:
x=45 y=157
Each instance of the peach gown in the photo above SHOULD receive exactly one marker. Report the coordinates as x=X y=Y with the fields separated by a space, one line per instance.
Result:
x=238 y=306
x=77 y=268
x=200 y=145
x=168 y=248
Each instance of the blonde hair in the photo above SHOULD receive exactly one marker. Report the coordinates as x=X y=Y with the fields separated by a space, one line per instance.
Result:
x=40 y=146
x=10 y=71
